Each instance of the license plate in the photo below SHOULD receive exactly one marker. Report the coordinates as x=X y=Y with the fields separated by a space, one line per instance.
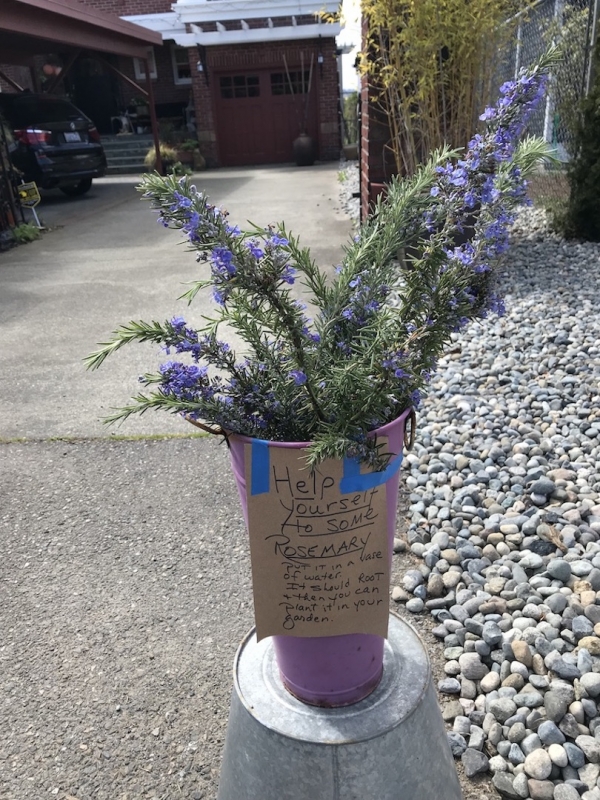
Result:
x=72 y=137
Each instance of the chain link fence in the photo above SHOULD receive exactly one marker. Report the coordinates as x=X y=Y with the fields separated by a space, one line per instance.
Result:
x=572 y=23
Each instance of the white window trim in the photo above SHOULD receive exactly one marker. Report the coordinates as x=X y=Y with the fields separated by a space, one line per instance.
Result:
x=199 y=11
x=138 y=66
x=287 y=33
x=177 y=80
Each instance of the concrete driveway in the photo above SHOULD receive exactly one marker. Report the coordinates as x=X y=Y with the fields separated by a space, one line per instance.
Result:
x=124 y=577
x=105 y=261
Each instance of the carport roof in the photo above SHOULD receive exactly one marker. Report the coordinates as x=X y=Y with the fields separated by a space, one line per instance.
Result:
x=32 y=27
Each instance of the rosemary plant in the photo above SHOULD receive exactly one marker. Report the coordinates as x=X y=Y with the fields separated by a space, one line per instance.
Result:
x=378 y=327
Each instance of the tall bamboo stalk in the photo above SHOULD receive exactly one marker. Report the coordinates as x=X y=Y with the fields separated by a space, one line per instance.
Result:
x=430 y=64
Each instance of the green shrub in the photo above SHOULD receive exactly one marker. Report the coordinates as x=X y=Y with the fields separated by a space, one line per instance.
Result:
x=189 y=145
x=27 y=232
x=170 y=160
x=168 y=155
x=179 y=169
x=350 y=113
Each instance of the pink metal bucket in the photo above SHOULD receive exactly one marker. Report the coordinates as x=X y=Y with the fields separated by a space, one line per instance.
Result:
x=330 y=671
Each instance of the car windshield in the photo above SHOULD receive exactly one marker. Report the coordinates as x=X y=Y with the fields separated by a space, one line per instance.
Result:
x=25 y=112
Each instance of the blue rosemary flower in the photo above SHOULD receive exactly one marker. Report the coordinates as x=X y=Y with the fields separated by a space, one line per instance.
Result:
x=256 y=251
x=298 y=376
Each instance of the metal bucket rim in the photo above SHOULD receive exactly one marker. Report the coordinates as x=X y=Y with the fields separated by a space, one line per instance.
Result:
x=340 y=710
x=382 y=431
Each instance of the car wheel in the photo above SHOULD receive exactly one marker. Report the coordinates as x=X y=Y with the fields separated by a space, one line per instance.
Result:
x=75 y=189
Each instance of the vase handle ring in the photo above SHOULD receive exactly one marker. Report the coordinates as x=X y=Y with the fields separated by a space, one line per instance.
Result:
x=410 y=431
x=216 y=430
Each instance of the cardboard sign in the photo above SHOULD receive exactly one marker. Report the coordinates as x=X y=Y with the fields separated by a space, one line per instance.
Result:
x=318 y=542
x=29 y=195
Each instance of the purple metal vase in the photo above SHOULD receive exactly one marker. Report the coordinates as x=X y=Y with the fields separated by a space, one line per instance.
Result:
x=330 y=671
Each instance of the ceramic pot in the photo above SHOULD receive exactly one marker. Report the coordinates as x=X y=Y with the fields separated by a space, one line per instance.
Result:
x=304 y=150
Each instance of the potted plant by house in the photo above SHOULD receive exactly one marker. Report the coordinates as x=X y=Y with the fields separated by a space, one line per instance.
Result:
x=189 y=153
x=337 y=387
x=139 y=106
x=303 y=145
x=170 y=160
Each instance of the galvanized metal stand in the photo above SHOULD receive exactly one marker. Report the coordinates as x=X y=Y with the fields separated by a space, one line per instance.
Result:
x=390 y=746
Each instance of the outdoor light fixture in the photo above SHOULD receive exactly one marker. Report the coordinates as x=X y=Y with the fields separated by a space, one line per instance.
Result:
x=320 y=58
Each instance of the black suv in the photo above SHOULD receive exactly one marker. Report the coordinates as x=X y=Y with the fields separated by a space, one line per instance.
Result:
x=55 y=144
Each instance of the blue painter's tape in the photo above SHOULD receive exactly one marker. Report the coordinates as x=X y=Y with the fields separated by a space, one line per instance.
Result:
x=260 y=467
x=353 y=481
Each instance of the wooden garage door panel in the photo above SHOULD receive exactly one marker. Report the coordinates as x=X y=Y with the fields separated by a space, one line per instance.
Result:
x=256 y=125
x=286 y=126
x=240 y=135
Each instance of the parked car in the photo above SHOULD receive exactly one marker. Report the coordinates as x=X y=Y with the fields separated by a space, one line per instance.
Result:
x=55 y=144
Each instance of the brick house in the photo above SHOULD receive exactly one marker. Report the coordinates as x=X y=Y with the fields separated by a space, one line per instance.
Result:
x=260 y=73
x=245 y=78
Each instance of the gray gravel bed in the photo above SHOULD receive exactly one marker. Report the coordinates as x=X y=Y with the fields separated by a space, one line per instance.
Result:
x=504 y=524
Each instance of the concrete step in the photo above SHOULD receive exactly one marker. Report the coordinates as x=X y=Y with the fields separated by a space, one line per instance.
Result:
x=124 y=159
x=126 y=170
x=110 y=140
x=127 y=141
x=125 y=144
x=125 y=154
x=133 y=149
x=115 y=151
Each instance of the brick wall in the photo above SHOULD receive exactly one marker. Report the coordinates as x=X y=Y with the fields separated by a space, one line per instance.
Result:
x=165 y=90
x=376 y=161
x=21 y=75
x=127 y=7
x=329 y=103
x=203 y=106
x=269 y=55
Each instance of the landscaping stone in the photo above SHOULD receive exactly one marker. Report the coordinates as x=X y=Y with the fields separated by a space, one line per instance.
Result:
x=510 y=536
x=538 y=765
x=474 y=761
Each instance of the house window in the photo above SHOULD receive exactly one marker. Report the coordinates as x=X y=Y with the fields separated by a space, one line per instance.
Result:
x=138 y=65
x=285 y=82
x=239 y=86
x=182 y=73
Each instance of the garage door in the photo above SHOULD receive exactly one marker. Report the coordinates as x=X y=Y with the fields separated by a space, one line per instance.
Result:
x=260 y=113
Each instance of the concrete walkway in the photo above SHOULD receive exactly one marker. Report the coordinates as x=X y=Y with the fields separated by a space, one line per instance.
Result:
x=105 y=262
